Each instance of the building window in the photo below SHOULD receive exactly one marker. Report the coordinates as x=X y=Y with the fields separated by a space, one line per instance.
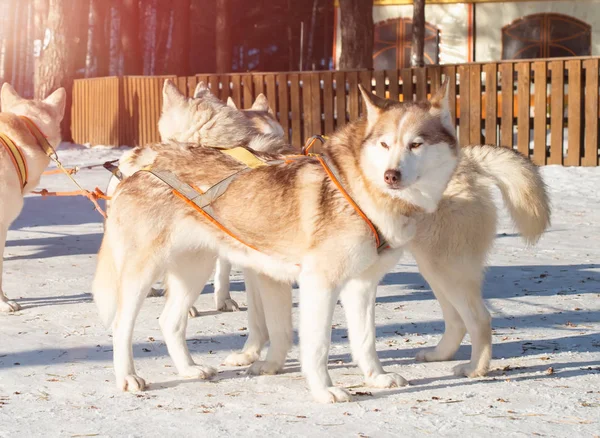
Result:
x=546 y=36
x=393 y=41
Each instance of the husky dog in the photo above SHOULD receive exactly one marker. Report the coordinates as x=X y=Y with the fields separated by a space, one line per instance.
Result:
x=47 y=115
x=451 y=246
x=206 y=119
x=300 y=223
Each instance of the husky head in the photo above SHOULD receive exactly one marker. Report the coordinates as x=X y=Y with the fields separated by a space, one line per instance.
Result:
x=261 y=115
x=409 y=150
x=202 y=119
x=47 y=113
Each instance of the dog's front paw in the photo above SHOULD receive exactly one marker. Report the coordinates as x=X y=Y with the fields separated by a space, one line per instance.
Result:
x=264 y=367
x=193 y=312
x=468 y=370
x=198 y=372
x=228 y=305
x=386 y=380
x=131 y=383
x=241 y=359
x=331 y=394
x=9 y=306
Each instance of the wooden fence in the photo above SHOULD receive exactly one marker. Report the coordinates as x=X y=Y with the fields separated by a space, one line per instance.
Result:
x=546 y=109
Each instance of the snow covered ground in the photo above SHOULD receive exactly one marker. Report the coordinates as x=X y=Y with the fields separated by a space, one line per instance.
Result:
x=56 y=374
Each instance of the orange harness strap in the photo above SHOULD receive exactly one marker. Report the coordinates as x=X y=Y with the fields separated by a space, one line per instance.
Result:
x=18 y=159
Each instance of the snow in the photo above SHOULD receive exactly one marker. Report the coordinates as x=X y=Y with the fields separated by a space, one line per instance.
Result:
x=56 y=375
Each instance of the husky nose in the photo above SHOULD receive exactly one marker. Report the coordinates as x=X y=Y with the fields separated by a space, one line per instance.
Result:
x=392 y=177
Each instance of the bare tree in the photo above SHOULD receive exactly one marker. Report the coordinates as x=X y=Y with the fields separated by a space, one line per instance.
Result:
x=133 y=61
x=223 y=37
x=179 y=53
x=418 y=34
x=356 y=22
x=98 y=53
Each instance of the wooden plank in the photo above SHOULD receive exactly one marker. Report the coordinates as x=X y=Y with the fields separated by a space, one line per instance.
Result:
x=407 y=85
x=258 y=84
x=271 y=92
x=329 y=125
x=379 y=77
x=435 y=78
x=450 y=73
x=284 y=108
x=296 y=110
x=491 y=104
x=523 y=70
x=365 y=80
x=573 y=157
x=247 y=92
x=213 y=85
x=475 y=104
x=556 y=112
x=225 y=87
x=182 y=85
x=539 y=113
x=421 y=86
x=307 y=120
x=340 y=98
x=352 y=100
x=506 y=124
x=464 y=133
x=590 y=157
x=394 y=84
x=192 y=81
x=236 y=90
x=315 y=108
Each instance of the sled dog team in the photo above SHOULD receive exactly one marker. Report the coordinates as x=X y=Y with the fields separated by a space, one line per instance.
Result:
x=224 y=188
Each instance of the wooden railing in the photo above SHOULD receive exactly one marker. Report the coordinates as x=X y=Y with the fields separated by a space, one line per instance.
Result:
x=547 y=109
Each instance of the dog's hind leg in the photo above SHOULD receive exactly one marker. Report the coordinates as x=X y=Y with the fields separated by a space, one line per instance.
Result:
x=223 y=301
x=134 y=287
x=276 y=299
x=186 y=276
x=5 y=304
x=258 y=334
x=455 y=329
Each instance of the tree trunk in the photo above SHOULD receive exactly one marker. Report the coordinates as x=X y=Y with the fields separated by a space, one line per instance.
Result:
x=133 y=62
x=40 y=21
x=57 y=61
x=179 y=53
x=356 y=22
x=418 y=34
x=98 y=53
x=223 y=37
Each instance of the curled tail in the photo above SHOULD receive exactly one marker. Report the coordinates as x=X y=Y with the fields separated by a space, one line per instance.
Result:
x=522 y=187
x=105 y=285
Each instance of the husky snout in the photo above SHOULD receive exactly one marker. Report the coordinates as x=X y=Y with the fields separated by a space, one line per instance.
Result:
x=392 y=178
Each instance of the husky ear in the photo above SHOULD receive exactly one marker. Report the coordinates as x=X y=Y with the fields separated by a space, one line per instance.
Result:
x=201 y=90
x=231 y=103
x=372 y=104
x=58 y=100
x=171 y=95
x=440 y=105
x=261 y=104
x=8 y=96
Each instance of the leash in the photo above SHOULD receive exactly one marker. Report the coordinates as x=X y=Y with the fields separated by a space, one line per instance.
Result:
x=17 y=158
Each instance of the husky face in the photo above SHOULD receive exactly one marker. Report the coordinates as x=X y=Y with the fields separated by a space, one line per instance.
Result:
x=410 y=149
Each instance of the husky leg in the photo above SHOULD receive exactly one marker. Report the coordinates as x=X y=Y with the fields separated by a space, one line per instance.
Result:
x=454 y=330
x=185 y=278
x=317 y=301
x=258 y=334
x=6 y=305
x=134 y=287
x=358 y=299
x=276 y=299
x=223 y=301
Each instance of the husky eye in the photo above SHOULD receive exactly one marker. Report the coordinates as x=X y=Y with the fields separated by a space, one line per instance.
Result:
x=415 y=145
x=384 y=144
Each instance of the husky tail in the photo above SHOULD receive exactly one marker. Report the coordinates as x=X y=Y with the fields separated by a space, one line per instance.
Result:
x=522 y=187
x=105 y=286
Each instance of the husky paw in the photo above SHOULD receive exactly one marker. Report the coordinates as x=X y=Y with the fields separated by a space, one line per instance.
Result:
x=261 y=367
x=386 y=380
x=193 y=312
x=155 y=293
x=9 y=306
x=430 y=355
x=131 y=383
x=198 y=372
x=331 y=394
x=467 y=370
x=241 y=359
x=228 y=305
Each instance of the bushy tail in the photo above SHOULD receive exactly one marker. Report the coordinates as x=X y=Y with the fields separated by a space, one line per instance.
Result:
x=105 y=285
x=522 y=187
